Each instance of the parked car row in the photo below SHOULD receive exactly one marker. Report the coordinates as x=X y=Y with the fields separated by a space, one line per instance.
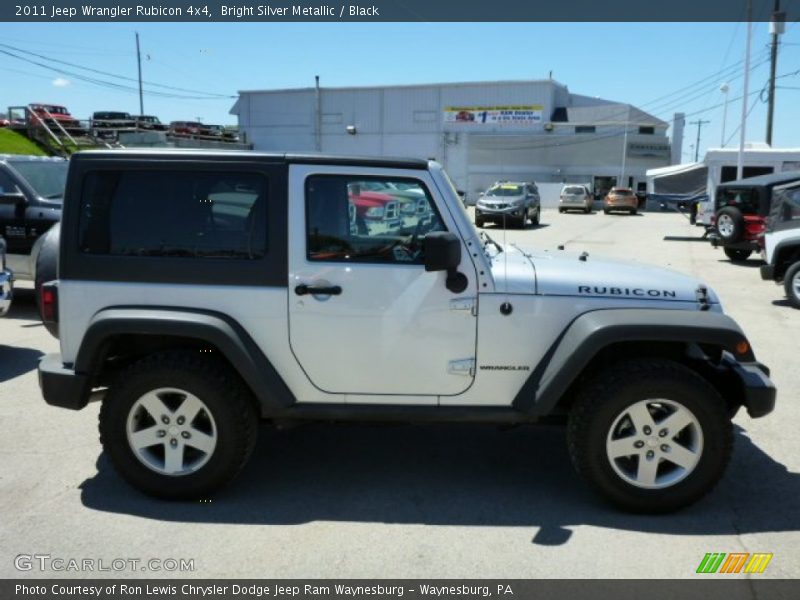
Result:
x=107 y=124
x=762 y=214
x=515 y=203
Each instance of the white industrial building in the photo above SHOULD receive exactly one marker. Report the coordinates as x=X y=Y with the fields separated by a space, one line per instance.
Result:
x=481 y=132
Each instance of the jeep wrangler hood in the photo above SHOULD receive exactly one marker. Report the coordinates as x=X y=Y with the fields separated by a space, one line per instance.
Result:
x=562 y=273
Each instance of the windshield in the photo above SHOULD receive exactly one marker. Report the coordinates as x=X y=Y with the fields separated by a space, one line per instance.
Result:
x=574 y=189
x=505 y=189
x=48 y=179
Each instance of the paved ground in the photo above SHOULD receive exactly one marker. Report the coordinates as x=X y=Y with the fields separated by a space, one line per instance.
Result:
x=401 y=501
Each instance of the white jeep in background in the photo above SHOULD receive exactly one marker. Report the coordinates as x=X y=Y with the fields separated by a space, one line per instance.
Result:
x=199 y=292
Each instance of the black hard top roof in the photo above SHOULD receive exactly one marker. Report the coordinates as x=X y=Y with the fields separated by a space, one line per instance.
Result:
x=245 y=155
x=763 y=180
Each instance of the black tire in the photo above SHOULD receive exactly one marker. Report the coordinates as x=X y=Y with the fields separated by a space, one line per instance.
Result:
x=633 y=212
x=587 y=210
x=737 y=255
x=478 y=222
x=218 y=387
x=536 y=219
x=606 y=211
x=561 y=211
x=603 y=399
x=791 y=283
x=733 y=216
x=47 y=269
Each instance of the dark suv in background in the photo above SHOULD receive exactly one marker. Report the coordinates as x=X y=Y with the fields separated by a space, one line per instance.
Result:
x=31 y=194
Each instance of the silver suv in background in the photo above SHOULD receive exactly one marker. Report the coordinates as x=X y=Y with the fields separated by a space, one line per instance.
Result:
x=509 y=203
x=575 y=197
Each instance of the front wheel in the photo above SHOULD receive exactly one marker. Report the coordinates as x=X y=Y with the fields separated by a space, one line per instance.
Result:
x=650 y=435
x=791 y=283
x=537 y=217
x=178 y=426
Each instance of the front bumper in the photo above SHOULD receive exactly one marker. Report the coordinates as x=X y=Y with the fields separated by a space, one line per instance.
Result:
x=758 y=391
x=6 y=291
x=489 y=212
x=61 y=385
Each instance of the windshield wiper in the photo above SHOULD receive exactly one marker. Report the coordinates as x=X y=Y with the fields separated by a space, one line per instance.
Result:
x=488 y=240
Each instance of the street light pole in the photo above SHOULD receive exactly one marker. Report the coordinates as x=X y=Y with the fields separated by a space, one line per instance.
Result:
x=724 y=88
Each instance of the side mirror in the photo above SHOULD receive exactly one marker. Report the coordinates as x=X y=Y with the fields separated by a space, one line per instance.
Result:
x=12 y=199
x=443 y=253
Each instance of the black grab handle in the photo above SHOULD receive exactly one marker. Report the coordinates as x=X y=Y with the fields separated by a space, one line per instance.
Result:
x=303 y=289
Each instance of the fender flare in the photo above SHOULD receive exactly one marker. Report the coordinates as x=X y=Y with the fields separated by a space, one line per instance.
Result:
x=783 y=250
x=593 y=331
x=219 y=330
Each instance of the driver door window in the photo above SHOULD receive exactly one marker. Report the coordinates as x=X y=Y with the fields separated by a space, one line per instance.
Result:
x=357 y=219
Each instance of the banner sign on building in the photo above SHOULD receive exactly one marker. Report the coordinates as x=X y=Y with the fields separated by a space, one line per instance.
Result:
x=494 y=115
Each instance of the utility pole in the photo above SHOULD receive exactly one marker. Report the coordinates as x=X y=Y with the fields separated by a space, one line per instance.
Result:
x=699 y=123
x=139 y=63
x=776 y=27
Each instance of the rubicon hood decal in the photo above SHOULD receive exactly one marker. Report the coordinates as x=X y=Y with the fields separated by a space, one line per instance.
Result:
x=595 y=290
x=567 y=274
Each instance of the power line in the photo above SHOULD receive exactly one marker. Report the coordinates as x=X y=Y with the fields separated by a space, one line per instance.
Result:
x=107 y=74
x=109 y=84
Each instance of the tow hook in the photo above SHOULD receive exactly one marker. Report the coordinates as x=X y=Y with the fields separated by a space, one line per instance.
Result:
x=702 y=297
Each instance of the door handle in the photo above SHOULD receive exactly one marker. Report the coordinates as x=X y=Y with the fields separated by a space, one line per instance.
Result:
x=330 y=290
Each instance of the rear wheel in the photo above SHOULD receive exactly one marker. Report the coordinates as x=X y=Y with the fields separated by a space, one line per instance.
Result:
x=178 y=426
x=633 y=211
x=561 y=210
x=479 y=222
x=791 y=283
x=536 y=219
x=650 y=435
x=587 y=210
x=737 y=255
x=730 y=224
x=606 y=211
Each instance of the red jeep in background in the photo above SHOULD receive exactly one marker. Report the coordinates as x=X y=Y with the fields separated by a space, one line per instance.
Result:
x=740 y=213
x=375 y=212
x=53 y=112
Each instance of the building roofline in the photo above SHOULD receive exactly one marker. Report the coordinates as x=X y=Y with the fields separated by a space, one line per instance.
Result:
x=405 y=85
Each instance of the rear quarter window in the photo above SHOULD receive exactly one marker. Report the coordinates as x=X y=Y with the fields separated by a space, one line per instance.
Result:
x=172 y=213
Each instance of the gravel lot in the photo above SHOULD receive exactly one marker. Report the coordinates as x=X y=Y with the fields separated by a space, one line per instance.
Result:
x=413 y=501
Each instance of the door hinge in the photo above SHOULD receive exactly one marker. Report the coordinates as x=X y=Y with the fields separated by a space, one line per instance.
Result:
x=465 y=304
x=464 y=366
